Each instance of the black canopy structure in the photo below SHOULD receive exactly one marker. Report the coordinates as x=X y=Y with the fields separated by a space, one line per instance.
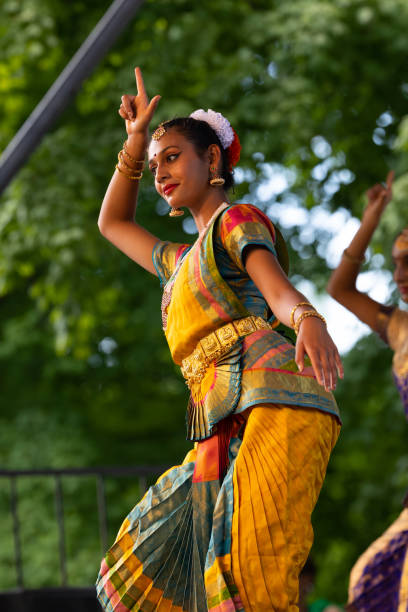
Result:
x=63 y=90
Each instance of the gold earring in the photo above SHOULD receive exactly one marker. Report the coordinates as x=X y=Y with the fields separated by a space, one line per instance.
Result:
x=176 y=212
x=215 y=179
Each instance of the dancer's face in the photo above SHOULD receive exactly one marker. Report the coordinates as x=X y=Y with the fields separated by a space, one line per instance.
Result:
x=180 y=174
x=400 y=257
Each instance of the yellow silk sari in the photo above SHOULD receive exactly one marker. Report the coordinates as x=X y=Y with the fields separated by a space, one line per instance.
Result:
x=230 y=528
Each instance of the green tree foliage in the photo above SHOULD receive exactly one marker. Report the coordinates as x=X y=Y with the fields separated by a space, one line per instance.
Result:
x=317 y=86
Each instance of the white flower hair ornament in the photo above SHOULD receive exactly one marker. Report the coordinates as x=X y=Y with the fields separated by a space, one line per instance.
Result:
x=225 y=132
x=227 y=135
x=219 y=124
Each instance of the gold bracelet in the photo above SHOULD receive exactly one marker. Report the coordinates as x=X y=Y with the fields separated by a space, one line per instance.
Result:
x=131 y=177
x=353 y=259
x=305 y=315
x=123 y=161
x=294 y=309
x=132 y=159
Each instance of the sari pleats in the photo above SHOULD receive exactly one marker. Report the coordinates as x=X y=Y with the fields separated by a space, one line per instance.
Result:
x=278 y=475
x=230 y=529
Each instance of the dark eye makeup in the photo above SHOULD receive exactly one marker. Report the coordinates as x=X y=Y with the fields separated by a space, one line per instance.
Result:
x=170 y=157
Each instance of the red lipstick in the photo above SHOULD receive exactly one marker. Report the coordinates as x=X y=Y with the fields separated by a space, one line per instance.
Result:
x=169 y=188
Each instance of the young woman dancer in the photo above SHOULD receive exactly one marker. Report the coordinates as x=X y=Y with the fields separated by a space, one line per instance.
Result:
x=379 y=579
x=229 y=528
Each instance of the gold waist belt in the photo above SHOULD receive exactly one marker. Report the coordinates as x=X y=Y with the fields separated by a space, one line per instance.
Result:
x=216 y=344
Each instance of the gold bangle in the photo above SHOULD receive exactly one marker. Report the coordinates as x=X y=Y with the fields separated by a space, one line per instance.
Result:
x=123 y=161
x=131 y=177
x=353 y=258
x=129 y=156
x=294 y=309
x=305 y=315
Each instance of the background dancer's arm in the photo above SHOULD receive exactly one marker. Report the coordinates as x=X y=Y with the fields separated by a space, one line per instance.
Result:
x=116 y=219
x=313 y=338
x=342 y=284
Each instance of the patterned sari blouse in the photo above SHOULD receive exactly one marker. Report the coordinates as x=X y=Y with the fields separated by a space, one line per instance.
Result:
x=211 y=287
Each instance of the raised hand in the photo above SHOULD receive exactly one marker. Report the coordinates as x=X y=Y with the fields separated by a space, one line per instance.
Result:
x=137 y=110
x=378 y=198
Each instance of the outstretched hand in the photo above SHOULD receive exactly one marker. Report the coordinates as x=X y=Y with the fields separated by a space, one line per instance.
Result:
x=378 y=198
x=137 y=110
x=315 y=341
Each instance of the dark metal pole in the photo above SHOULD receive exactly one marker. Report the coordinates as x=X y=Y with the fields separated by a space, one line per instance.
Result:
x=102 y=513
x=16 y=531
x=65 y=87
x=59 y=511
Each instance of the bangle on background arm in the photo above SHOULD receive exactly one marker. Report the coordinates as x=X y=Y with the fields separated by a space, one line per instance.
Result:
x=305 y=315
x=294 y=309
x=353 y=259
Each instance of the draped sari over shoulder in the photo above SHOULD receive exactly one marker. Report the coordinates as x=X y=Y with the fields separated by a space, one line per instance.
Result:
x=190 y=545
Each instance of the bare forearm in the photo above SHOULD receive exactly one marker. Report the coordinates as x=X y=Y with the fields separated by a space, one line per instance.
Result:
x=342 y=284
x=344 y=277
x=119 y=203
x=361 y=240
x=283 y=302
x=276 y=288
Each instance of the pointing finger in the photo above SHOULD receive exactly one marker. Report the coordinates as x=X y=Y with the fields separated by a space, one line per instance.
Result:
x=141 y=91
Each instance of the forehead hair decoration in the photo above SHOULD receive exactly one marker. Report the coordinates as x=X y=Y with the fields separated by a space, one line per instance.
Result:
x=227 y=135
x=159 y=132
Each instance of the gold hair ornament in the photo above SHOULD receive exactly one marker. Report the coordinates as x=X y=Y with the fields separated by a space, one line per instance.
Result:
x=159 y=132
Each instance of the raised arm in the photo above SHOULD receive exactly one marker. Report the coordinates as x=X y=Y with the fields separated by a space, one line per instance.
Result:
x=313 y=338
x=116 y=219
x=342 y=284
